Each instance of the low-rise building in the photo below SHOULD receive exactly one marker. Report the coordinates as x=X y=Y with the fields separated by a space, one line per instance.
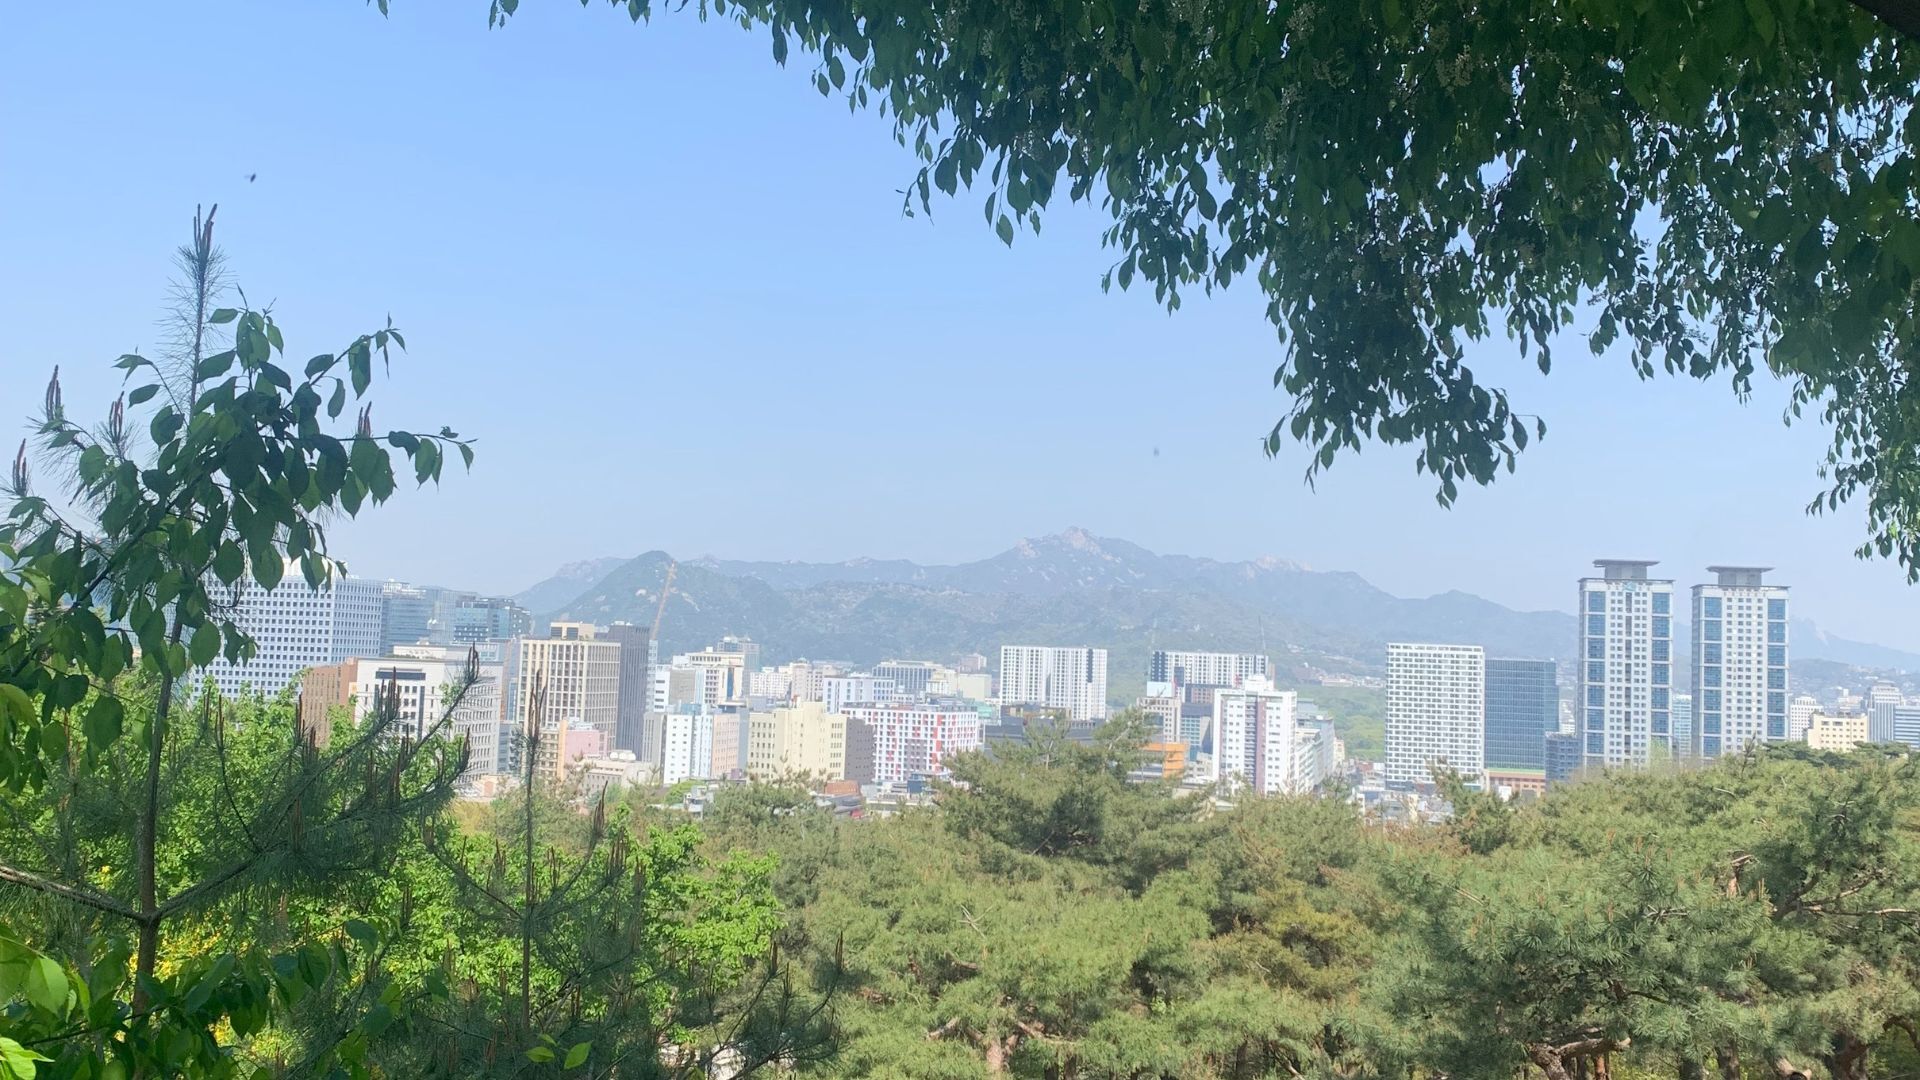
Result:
x=1838 y=731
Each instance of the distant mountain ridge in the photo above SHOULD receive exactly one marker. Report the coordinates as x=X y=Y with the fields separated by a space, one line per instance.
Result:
x=1074 y=588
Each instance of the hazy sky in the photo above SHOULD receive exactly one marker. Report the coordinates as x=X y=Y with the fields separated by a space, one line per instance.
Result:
x=670 y=289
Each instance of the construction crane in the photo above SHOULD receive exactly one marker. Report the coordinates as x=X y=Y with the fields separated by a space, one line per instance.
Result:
x=666 y=590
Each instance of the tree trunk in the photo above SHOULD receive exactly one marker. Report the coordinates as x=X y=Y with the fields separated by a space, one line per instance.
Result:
x=1690 y=1069
x=1848 y=1059
x=1729 y=1063
x=147 y=841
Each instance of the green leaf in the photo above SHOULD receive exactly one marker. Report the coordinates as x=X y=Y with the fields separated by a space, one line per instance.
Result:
x=577 y=1056
x=47 y=985
x=1005 y=228
x=223 y=315
x=104 y=721
x=363 y=932
x=142 y=393
x=205 y=645
x=540 y=1054
x=17 y=1062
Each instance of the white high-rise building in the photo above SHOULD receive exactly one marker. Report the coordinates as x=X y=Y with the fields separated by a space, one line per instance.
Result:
x=1436 y=712
x=1882 y=700
x=1071 y=679
x=420 y=678
x=1623 y=704
x=1259 y=742
x=1739 y=661
x=839 y=691
x=1800 y=710
x=687 y=744
x=1206 y=668
x=295 y=626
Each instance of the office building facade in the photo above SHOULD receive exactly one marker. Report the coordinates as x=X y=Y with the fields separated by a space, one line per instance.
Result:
x=912 y=738
x=1523 y=708
x=294 y=627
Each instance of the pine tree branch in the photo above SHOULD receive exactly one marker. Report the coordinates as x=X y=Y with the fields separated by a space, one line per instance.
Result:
x=85 y=897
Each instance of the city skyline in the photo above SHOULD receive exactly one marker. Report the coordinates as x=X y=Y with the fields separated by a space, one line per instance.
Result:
x=906 y=410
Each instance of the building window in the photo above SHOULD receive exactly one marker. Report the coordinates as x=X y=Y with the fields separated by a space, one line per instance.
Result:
x=1596 y=601
x=1597 y=625
x=1662 y=626
x=1777 y=655
x=1776 y=609
x=1710 y=607
x=1661 y=674
x=1777 y=633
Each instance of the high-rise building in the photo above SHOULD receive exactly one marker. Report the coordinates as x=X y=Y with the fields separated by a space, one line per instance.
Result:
x=1523 y=707
x=1680 y=710
x=406 y=615
x=1624 y=699
x=295 y=626
x=1436 y=712
x=687 y=744
x=1906 y=723
x=419 y=679
x=1260 y=743
x=771 y=686
x=1206 y=668
x=839 y=691
x=911 y=738
x=1163 y=704
x=803 y=740
x=1565 y=757
x=465 y=619
x=570 y=677
x=731 y=739
x=629 y=732
x=1800 y=710
x=1882 y=699
x=1072 y=679
x=324 y=688
x=1739 y=661
x=910 y=677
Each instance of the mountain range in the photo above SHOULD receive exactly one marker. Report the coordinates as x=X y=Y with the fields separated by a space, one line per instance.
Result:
x=1071 y=588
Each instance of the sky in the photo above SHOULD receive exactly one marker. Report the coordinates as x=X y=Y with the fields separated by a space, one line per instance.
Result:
x=670 y=290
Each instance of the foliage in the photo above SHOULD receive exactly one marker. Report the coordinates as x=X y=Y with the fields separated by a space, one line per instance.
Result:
x=1723 y=187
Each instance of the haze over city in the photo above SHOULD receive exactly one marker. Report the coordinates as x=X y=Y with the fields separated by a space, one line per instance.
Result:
x=614 y=298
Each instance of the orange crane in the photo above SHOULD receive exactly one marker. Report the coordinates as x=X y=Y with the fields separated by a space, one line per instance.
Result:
x=666 y=590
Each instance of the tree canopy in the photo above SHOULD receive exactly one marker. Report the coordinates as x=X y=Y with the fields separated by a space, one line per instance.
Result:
x=1723 y=188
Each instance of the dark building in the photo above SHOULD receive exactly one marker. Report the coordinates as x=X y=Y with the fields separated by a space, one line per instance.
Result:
x=1563 y=757
x=1523 y=708
x=629 y=731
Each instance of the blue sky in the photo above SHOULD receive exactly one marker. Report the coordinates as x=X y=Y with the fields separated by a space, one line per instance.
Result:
x=659 y=276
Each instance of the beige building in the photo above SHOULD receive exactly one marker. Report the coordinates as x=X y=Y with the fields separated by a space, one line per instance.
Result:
x=800 y=740
x=562 y=681
x=1836 y=731
x=322 y=690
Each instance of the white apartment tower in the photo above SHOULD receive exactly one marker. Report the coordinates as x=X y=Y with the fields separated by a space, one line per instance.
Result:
x=1739 y=662
x=295 y=626
x=1071 y=679
x=1206 y=668
x=1623 y=706
x=1259 y=743
x=1436 y=711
